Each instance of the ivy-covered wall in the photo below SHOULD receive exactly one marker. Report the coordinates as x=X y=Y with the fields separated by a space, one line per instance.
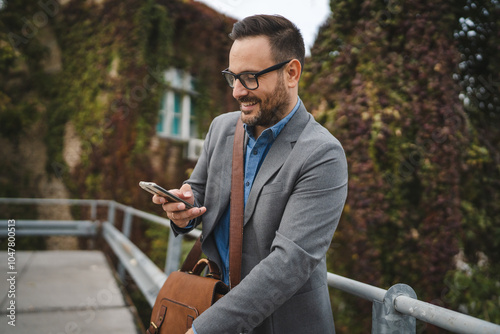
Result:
x=89 y=76
x=389 y=79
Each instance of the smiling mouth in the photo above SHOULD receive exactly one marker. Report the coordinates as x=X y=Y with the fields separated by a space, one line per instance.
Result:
x=248 y=104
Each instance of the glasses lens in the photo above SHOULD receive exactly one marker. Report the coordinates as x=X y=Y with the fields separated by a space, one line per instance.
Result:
x=230 y=79
x=249 y=81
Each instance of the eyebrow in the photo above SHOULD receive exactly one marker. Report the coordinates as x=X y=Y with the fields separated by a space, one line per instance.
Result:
x=253 y=72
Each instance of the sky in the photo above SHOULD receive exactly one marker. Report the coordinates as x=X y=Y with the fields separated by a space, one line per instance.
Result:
x=308 y=15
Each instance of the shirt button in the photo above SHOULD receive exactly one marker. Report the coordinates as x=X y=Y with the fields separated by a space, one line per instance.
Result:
x=255 y=152
x=247 y=184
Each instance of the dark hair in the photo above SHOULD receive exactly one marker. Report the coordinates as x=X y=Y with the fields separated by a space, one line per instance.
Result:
x=284 y=37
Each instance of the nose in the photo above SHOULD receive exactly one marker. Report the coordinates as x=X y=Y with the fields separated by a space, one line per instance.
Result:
x=239 y=90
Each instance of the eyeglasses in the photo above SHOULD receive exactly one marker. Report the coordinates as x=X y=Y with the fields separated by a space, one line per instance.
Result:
x=248 y=79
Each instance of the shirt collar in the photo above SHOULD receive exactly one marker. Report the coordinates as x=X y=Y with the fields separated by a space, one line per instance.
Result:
x=276 y=128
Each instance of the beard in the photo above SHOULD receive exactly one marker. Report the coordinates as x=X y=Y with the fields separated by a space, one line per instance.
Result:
x=272 y=107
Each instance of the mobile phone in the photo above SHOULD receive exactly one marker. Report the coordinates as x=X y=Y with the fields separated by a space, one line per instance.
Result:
x=155 y=189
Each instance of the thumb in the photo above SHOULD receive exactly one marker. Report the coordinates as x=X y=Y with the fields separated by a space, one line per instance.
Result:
x=186 y=191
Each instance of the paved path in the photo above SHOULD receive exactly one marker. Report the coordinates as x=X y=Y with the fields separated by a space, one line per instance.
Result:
x=61 y=292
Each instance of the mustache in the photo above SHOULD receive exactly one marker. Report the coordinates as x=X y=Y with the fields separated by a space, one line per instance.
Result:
x=248 y=99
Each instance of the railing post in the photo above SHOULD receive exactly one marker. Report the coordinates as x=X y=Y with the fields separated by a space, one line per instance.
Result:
x=93 y=210
x=126 y=229
x=127 y=223
x=173 y=252
x=111 y=212
x=385 y=318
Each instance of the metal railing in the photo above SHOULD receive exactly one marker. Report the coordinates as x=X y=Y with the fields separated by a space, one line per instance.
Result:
x=393 y=311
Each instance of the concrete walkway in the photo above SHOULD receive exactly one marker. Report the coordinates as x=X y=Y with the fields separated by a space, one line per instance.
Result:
x=61 y=292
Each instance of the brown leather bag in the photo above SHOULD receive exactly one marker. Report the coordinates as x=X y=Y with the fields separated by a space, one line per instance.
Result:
x=185 y=294
x=183 y=297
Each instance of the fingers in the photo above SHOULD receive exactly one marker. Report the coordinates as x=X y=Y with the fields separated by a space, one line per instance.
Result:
x=176 y=211
x=158 y=199
x=178 y=215
x=182 y=218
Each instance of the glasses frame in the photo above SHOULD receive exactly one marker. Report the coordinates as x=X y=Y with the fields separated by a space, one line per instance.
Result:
x=255 y=75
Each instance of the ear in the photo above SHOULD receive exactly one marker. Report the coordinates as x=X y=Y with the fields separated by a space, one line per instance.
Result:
x=292 y=73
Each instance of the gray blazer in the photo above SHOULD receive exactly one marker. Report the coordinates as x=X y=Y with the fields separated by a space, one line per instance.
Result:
x=291 y=214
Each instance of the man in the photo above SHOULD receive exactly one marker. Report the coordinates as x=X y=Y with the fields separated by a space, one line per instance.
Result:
x=295 y=189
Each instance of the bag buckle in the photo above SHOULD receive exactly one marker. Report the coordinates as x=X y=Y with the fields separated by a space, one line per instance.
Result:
x=155 y=327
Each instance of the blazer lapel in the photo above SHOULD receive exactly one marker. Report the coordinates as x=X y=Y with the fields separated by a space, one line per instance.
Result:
x=276 y=157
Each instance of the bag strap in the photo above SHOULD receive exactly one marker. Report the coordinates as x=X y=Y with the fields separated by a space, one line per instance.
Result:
x=193 y=256
x=237 y=207
x=236 y=217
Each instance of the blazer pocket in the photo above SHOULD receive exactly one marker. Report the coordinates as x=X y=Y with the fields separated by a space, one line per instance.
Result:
x=272 y=188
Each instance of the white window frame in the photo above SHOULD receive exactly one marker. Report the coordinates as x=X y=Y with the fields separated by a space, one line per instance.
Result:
x=181 y=83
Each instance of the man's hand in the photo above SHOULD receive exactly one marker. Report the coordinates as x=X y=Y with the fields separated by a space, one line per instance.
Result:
x=176 y=211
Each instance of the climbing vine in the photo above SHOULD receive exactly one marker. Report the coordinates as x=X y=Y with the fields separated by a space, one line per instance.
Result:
x=381 y=79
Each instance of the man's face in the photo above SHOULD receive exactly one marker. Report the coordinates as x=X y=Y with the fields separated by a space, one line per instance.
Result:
x=268 y=104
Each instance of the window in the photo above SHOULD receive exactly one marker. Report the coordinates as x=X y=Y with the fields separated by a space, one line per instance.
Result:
x=176 y=119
